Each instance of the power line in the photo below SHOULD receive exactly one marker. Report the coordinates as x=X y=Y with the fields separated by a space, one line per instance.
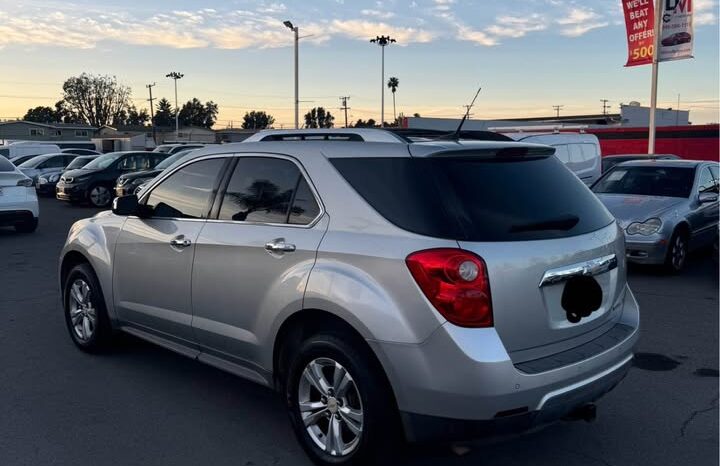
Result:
x=344 y=107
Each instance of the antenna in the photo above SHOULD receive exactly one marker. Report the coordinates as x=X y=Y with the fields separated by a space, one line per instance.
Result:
x=456 y=135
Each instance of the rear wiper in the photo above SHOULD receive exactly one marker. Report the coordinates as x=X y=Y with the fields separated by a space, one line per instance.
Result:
x=562 y=223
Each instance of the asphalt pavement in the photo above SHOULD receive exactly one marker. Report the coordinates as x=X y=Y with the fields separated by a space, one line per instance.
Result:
x=143 y=405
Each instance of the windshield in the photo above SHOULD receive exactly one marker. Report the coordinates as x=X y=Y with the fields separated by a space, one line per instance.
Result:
x=34 y=161
x=6 y=165
x=78 y=162
x=172 y=159
x=477 y=199
x=103 y=161
x=647 y=181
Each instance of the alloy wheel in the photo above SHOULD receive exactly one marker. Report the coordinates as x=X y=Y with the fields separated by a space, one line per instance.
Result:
x=678 y=252
x=100 y=196
x=330 y=407
x=83 y=315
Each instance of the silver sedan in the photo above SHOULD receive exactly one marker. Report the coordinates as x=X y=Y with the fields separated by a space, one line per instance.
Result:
x=666 y=208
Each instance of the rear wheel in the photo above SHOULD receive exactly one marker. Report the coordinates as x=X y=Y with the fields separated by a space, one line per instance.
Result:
x=85 y=314
x=99 y=195
x=677 y=252
x=339 y=405
x=27 y=226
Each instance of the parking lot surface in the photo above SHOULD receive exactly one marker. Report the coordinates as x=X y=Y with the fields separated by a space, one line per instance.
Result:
x=143 y=405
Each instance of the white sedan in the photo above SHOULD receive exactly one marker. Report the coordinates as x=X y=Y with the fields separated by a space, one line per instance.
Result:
x=18 y=200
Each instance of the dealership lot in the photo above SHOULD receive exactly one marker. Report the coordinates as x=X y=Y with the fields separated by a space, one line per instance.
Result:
x=144 y=405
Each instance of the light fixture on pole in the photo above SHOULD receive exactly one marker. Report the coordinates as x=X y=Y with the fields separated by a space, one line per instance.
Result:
x=175 y=76
x=382 y=41
x=296 y=30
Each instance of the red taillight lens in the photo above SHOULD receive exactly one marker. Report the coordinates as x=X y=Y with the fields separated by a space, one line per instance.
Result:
x=456 y=283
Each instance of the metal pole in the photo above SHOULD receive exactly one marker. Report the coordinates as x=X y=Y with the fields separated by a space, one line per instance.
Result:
x=382 y=88
x=654 y=85
x=297 y=78
x=177 y=113
x=152 y=114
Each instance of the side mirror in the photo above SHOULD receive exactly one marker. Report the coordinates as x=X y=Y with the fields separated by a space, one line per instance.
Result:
x=126 y=205
x=707 y=197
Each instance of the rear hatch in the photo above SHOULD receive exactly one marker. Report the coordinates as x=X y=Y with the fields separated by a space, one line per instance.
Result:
x=554 y=255
x=10 y=192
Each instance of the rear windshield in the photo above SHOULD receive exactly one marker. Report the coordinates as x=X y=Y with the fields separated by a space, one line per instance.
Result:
x=647 y=181
x=477 y=199
x=6 y=165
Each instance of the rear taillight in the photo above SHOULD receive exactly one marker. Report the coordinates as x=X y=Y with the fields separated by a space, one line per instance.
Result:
x=456 y=283
x=27 y=182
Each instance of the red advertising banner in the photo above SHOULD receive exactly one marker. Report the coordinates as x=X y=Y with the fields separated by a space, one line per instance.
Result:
x=640 y=25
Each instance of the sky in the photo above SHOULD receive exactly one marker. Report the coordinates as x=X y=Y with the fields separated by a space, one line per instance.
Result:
x=527 y=55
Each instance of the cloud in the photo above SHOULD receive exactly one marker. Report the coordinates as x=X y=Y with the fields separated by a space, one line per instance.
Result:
x=705 y=12
x=466 y=33
x=580 y=21
x=378 y=13
x=364 y=30
x=517 y=26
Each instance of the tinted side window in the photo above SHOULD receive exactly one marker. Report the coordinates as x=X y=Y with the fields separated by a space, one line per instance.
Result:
x=154 y=159
x=260 y=190
x=187 y=192
x=706 y=182
x=53 y=162
x=714 y=171
x=304 y=208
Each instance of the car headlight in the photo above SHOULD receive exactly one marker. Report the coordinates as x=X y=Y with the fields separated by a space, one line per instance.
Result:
x=53 y=178
x=42 y=180
x=68 y=179
x=646 y=228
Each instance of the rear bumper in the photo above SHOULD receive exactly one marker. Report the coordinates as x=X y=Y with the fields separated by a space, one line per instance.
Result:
x=464 y=381
x=12 y=217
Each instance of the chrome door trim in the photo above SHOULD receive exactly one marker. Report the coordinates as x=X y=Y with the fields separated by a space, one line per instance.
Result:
x=582 y=269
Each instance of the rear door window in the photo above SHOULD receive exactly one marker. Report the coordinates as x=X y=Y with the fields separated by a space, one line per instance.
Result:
x=561 y=152
x=477 y=199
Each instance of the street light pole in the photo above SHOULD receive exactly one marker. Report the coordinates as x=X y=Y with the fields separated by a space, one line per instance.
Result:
x=382 y=41
x=296 y=30
x=175 y=76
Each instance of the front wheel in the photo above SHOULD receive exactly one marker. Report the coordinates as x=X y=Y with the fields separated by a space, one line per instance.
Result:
x=99 y=196
x=339 y=404
x=677 y=252
x=85 y=314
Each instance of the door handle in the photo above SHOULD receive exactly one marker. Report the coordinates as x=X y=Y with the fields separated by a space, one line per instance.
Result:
x=180 y=242
x=279 y=246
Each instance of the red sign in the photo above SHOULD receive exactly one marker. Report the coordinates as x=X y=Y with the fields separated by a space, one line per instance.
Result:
x=640 y=25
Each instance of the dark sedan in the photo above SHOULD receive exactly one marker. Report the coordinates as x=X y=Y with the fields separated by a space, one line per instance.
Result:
x=676 y=39
x=95 y=181
x=46 y=183
x=129 y=183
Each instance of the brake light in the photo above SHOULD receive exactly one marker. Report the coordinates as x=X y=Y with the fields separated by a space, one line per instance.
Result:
x=456 y=283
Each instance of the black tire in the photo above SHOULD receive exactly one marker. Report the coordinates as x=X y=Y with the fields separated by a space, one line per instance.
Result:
x=380 y=439
x=27 y=226
x=106 y=201
x=677 y=253
x=101 y=336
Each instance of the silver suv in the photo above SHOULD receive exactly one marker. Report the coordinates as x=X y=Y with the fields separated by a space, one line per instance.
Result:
x=441 y=289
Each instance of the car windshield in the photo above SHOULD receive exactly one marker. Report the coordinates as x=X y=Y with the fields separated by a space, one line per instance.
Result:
x=647 y=181
x=6 y=165
x=79 y=162
x=172 y=159
x=103 y=161
x=34 y=162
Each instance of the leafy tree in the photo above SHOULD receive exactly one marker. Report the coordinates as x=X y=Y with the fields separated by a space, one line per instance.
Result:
x=164 y=114
x=137 y=118
x=318 y=117
x=195 y=113
x=257 y=120
x=416 y=115
x=393 y=84
x=97 y=100
x=64 y=114
x=41 y=115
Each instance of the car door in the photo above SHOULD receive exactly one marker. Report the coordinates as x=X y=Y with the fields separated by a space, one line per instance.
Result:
x=703 y=217
x=252 y=262
x=153 y=256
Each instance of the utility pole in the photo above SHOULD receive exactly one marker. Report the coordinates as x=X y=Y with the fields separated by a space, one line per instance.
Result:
x=605 y=106
x=557 y=109
x=382 y=41
x=677 y=112
x=344 y=100
x=296 y=31
x=152 y=114
x=175 y=76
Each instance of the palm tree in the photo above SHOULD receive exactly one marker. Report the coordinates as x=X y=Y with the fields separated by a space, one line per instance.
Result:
x=393 y=84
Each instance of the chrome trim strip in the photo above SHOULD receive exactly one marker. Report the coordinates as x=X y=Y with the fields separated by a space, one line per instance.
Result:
x=582 y=269
x=582 y=383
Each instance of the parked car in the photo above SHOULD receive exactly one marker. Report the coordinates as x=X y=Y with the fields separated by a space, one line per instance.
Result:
x=130 y=183
x=579 y=151
x=610 y=161
x=47 y=163
x=666 y=208
x=676 y=39
x=173 y=148
x=95 y=181
x=46 y=182
x=18 y=201
x=78 y=151
x=369 y=283
x=26 y=149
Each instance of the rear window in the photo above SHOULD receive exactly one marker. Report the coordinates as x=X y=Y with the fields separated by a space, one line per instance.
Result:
x=6 y=165
x=477 y=199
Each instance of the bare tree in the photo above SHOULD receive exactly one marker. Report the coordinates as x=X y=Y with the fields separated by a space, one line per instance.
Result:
x=98 y=100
